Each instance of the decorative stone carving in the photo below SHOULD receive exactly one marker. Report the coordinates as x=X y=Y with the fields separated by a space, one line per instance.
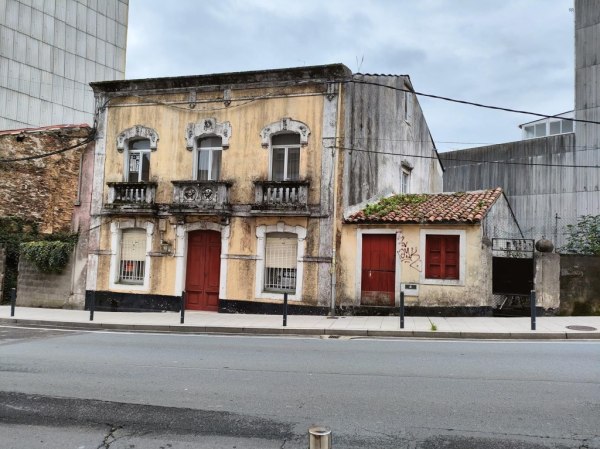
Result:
x=137 y=132
x=286 y=124
x=207 y=127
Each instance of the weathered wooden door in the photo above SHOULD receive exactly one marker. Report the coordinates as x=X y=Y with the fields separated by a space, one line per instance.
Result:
x=203 y=270
x=378 y=269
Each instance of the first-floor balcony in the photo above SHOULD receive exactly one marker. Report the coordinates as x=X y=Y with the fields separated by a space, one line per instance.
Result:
x=131 y=195
x=201 y=195
x=281 y=196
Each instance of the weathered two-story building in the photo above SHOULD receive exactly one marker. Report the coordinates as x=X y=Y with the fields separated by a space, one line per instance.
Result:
x=232 y=187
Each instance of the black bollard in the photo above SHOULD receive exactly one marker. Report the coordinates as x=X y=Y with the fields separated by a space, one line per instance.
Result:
x=285 y=296
x=401 y=310
x=182 y=319
x=92 y=305
x=533 y=312
x=13 y=301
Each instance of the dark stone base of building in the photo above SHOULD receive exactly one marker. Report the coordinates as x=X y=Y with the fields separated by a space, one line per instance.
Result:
x=131 y=302
x=233 y=306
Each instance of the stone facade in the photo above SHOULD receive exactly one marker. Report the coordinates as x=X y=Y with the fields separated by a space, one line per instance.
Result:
x=45 y=189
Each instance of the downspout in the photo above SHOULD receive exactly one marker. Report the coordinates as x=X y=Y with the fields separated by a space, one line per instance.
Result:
x=334 y=213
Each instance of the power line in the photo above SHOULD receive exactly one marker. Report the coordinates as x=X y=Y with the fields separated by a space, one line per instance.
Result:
x=87 y=140
x=530 y=164
x=471 y=103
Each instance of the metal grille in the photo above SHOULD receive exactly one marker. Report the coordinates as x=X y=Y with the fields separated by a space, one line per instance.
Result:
x=133 y=256
x=132 y=271
x=280 y=262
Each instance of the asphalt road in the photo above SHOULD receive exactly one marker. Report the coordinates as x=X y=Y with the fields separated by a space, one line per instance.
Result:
x=64 y=389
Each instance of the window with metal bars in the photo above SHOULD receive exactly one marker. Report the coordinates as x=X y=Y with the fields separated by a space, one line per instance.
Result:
x=133 y=256
x=281 y=261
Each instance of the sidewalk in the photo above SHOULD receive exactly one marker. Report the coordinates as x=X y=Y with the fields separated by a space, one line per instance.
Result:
x=356 y=326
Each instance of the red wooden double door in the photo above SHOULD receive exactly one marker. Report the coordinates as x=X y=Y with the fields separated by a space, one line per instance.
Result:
x=203 y=270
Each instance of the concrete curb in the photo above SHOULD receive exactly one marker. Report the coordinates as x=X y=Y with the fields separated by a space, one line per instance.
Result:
x=291 y=331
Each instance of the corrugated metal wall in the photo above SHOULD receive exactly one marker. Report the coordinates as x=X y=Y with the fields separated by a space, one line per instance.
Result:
x=546 y=199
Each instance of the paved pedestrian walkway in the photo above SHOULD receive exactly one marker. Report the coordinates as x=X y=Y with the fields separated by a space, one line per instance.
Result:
x=572 y=327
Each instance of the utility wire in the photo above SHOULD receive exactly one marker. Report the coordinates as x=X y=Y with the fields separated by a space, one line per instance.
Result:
x=531 y=164
x=87 y=140
x=470 y=103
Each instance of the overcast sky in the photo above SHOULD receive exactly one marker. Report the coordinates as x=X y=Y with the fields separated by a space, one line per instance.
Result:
x=511 y=53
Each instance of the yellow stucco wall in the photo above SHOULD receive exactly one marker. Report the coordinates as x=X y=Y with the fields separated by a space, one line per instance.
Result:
x=243 y=162
x=473 y=290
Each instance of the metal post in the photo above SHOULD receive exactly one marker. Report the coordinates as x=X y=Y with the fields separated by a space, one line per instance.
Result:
x=319 y=437
x=285 y=296
x=13 y=301
x=181 y=320
x=401 y=310
x=533 y=312
x=92 y=305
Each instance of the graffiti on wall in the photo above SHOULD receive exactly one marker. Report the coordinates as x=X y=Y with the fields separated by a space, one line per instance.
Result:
x=408 y=254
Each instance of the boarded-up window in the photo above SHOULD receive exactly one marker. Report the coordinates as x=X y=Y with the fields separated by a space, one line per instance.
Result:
x=133 y=256
x=442 y=257
x=281 y=260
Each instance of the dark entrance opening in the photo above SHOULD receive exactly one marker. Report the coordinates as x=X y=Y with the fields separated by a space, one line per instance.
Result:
x=512 y=276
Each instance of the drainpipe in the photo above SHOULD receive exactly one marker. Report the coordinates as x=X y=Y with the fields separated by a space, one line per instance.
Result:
x=335 y=188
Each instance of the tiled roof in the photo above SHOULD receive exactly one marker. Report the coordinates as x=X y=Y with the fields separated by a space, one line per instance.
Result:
x=42 y=129
x=457 y=207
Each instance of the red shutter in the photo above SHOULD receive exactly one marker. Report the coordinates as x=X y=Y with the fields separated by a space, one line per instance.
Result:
x=442 y=257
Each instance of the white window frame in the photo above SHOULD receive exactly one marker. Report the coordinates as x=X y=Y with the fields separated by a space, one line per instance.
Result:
x=462 y=248
x=116 y=231
x=141 y=152
x=261 y=234
x=285 y=160
x=197 y=151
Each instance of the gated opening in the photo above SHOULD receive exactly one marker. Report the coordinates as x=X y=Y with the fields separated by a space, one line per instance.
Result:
x=512 y=275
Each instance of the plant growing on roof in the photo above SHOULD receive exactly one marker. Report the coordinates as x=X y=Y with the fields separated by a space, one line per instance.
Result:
x=391 y=203
x=49 y=256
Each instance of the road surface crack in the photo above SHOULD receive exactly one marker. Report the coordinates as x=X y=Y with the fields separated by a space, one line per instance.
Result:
x=110 y=437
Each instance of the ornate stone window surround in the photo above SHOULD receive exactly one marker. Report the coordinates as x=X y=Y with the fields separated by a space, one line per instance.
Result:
x=286 y=125
x=137 y=132
x=206 y=127
x=261 y=234
x=116 y=232
x=182 y=231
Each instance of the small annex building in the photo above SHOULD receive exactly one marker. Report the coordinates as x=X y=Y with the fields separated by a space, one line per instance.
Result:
x=436 y=247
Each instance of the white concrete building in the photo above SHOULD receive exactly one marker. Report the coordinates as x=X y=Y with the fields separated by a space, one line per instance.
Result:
x=50 y=50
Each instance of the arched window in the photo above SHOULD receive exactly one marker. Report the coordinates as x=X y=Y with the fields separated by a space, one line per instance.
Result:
x=285 y=157
x=209 y=158
x=138 y=160
x=137 y=142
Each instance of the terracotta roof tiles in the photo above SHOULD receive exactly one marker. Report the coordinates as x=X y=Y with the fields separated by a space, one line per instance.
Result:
x=457 y=207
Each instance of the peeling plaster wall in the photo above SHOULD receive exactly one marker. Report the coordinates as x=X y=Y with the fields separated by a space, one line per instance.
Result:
x=381 y=120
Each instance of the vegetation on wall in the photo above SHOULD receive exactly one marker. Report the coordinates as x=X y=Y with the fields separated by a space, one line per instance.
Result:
x=48 y=256
x=584 y=237
x=15 y=231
